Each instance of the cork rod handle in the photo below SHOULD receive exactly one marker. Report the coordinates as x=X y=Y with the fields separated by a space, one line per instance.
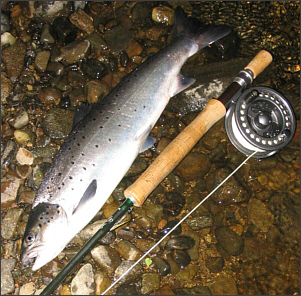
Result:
x=259 y=62
x=171 y=156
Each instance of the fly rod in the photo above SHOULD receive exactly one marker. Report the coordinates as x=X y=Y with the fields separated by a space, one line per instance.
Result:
x=170 y=157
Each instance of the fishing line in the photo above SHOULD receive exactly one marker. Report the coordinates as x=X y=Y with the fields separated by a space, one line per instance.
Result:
x=185 y=217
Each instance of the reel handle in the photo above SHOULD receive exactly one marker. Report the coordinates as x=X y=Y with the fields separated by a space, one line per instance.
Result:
x=259 y=62
x=174 y=153
x=171 y=156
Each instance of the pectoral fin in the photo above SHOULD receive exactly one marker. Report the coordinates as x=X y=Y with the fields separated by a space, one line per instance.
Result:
x=89 y=193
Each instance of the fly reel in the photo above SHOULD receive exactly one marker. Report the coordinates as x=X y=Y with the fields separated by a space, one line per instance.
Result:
x=261 y=120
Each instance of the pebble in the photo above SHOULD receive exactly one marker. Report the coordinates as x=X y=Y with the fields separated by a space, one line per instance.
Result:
x=21 y=120
x=58 y=123
x=83 y=283
x=46 y=36
x=75 y=51
x=215 y=264
x=229 y=193
x=128 y=251
x=259 y=214
x=193 y=252
x=230 y=241
x=96 y=90
x=82 y=21
x=94 y=68
x=164 y=290
x=10 y=223
x=24 y=156
x=107 y=258
x=126 y=289
x=21 y=136
x=145 y=245
x=162 y=144
x=170 y=224
x=41 y=60
x=63 y=30
x=153 y=211
x=126 y=234
x=200 y=222
x=181 y=257
x=7 y=38
x=118 y=39
x=5 y=26
x=253 y=249
x=6 y=88
x=91 y=229
x=150 y=282
x=173 y=203
x=180 y=243
x=27 y=289
x=194 y=166
x=7 y=280
x=13 y=59
x=174 y=267
x=23 y=171
x=141 y=13
x=134 y=49
x=130 y=277
x=162 y=265
x=102 y=282
x=188 y=273
x=197 y=290
x=57 y=68
x=118 y=193
x=138 y=166
x=163 y=15
x=9 y=190
x=97 y=42
x=50 y=95
x=224 y=284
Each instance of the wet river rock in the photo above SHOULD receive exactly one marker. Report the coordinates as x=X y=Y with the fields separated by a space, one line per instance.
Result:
x=229 y=240
x=194 y=166
x=180 y=243
x=229 y=193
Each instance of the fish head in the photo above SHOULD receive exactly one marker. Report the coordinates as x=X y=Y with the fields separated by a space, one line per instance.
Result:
x=44 y=237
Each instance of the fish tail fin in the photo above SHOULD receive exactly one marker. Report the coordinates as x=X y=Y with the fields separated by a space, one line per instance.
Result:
x=192 y=28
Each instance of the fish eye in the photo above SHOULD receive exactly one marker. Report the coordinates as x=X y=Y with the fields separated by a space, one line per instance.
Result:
x=30 y=238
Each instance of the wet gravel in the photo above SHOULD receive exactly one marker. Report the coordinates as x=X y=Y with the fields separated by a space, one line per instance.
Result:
x=245 y=239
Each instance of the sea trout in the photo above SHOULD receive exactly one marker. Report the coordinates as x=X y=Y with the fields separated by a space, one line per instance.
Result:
x=104 y=142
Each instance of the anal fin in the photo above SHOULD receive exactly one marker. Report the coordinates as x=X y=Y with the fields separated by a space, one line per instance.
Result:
x=183 y=83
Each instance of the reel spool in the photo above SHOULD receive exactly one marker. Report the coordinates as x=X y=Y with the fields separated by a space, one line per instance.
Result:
x=261 y=120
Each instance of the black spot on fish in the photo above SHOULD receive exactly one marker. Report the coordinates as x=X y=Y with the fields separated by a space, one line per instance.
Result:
x=78 y=144
x=144 y=107
x=63 y=183
x=107 y=117
x=94 y=118
x=93 y=164
x=41 y=218
x=119 y=125
x=69 y=148
x=72 y=162
x=59 y=174
x=84 y=168
x=59 y=188
x=83 y=137
x=96 y=146
x=81 y=180
x=83 y=154
x=101 y=126
x=58 y=212
x=70 y=177
x=40 y=225
x=110 y=140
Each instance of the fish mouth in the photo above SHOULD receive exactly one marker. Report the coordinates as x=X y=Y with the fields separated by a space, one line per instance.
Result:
x=31 y=255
